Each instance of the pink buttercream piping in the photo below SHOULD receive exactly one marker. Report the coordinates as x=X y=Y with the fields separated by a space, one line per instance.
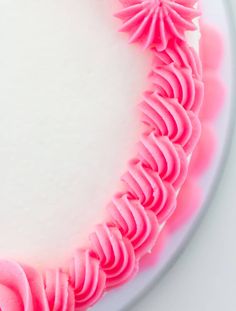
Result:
x=153 y=179
x=21 y=288
x=87 y=278
x=189 y=200
x=155 y=22
x=59 y=292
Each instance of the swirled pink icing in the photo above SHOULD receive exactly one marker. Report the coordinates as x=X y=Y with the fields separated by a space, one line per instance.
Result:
x=134 y=222
x=116 y=254
x=181 y=54
x=164 y=157
x=191 y=194
x=21 y=288
x=170 y=119
x=178 y=82
x=155 y=22
x=146 y=186
x=59 y=292
x=153 y=179
x=87 y=279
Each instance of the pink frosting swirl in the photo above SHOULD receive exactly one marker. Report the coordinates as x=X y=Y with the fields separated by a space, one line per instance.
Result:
x=87 y=279
x=170 y=119
x=116 y=254
x=164 y=157
x=154 y=194
x=21 y=288
x=135 y=223
x=173 y=82
x=181 y=54
x=155 y=22
x=59 y=292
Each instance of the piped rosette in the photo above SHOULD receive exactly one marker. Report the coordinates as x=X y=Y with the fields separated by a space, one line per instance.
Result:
x=155 y=22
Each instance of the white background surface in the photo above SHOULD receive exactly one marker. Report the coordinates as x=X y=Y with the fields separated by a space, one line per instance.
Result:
x=204 y=277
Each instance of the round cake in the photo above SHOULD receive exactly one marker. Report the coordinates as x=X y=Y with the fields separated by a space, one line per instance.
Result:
x=88 y=179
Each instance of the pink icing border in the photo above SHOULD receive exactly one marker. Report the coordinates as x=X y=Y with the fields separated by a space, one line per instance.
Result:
x=154 y=177
x=190 y=196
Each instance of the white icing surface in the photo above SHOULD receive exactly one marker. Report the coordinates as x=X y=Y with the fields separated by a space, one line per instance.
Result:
x=68 y=121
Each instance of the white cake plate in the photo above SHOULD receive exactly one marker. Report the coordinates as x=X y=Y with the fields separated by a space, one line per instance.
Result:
x=216 y=13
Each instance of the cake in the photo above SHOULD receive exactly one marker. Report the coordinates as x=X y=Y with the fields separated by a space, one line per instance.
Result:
x=69 y=124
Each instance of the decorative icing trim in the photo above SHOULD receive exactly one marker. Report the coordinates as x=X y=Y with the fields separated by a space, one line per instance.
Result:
x=153 y=179
x=155 y=22
x=190 y=197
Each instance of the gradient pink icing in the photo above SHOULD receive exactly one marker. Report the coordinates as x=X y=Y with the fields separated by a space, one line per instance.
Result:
x=153 y=179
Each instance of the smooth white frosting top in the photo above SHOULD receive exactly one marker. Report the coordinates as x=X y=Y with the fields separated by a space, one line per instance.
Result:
x=68 y=121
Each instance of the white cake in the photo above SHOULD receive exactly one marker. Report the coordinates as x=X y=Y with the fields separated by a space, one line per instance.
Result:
x=69 y=89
